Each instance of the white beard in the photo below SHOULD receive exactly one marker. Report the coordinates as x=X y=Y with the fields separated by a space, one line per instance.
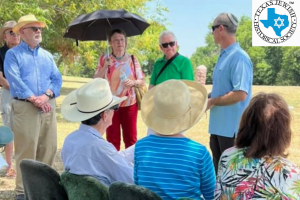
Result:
x=37 y=38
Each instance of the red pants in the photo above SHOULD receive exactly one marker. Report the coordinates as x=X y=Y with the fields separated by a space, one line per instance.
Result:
x=127 y=118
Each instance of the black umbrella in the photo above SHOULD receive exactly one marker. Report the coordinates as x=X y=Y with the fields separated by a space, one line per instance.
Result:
x=96 y=25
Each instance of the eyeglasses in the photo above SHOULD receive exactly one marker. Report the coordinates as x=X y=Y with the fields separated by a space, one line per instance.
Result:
x=217 y=26
x=11 y=33
x=165 y=45
x=35 y=29
x=114 y=108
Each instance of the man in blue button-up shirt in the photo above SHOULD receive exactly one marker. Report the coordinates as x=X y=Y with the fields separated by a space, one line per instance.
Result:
x=34 y=82
x=85 y=151
x=232 y=86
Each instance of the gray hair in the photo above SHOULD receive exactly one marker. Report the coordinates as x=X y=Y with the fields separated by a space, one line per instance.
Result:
x=162 y=34
x=229 y=20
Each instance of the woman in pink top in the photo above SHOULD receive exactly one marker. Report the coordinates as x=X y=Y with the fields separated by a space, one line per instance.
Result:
x=123 y=73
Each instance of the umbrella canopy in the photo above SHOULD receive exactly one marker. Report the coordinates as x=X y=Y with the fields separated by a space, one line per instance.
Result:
x=96 y=25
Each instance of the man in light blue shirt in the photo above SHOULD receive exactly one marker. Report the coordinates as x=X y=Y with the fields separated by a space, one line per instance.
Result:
x=232 y=86
x=34 y=82
x=85 y=151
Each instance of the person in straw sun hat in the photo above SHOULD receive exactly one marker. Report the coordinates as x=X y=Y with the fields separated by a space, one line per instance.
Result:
x=35 y=82
x=10 y=40
x=167 y=162
x=85 y=151
x=5 y=30
x=28 y=19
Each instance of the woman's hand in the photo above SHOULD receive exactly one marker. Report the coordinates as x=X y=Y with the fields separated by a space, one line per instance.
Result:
x=129 y=83
x=100 y=72
x=107 y=63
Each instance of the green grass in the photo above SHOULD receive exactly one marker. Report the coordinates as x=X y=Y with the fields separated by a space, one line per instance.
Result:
x=199 y=131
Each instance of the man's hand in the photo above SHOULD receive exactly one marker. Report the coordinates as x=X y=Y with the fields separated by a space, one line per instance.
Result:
x=31 y=99
x=40 y=100
x=46 y=108
x=230 y=98
x=209 y=104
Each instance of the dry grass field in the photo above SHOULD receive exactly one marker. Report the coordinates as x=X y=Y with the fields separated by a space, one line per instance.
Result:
x=199 y=131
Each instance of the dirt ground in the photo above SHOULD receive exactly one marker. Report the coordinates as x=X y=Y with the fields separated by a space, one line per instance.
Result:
x=7 y=185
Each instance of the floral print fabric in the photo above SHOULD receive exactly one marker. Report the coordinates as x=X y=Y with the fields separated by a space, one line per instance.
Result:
x=118 y=73
x=241 y=178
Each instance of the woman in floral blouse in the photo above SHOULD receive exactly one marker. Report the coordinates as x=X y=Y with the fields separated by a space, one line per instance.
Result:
x=123 y=72
x=257 y=168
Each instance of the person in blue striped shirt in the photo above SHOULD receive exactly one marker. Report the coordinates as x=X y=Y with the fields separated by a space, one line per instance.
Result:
x=167 y=162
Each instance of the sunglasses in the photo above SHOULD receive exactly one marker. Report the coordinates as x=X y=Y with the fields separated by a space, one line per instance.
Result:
x=114 y=108
x=217 y=26
x=11 y=33
x=165 y=45
x=35 y=29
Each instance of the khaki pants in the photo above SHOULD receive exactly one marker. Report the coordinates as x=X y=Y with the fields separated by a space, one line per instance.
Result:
x=35 y=135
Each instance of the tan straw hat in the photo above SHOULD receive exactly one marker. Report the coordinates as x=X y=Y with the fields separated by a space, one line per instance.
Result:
x=174 y=106
x=7 y=25
x=89 y=100
x=27 y=19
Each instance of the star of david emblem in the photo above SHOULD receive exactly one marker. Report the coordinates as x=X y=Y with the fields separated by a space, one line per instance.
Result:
x=280 y=24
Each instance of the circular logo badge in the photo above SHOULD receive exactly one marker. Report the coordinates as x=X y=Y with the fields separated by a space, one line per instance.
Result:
x=275 y=21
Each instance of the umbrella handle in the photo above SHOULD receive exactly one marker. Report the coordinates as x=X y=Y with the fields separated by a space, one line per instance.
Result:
x=107 y=52
x=107 y=49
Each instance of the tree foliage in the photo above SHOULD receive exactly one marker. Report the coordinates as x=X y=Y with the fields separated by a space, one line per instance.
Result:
x=271 y=65
x=81 y=60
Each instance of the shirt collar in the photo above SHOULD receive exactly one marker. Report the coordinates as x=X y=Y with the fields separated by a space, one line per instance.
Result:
x=230 y=48
x=27 y=47
x=91 y=130
x=161 y=59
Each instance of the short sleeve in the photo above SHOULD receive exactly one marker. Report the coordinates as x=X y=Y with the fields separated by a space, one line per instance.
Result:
x=241 y=75
x=187 y=70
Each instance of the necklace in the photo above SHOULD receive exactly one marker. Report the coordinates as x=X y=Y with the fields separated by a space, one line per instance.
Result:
x=118 y=58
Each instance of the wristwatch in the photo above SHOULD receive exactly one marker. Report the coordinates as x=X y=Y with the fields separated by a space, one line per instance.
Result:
x=48 y=95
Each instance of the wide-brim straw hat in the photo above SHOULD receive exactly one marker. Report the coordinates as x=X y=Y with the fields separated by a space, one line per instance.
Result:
x=7 y=25
x=173 y=106
x=89 y=100
x=6 y=135
x=27 y=19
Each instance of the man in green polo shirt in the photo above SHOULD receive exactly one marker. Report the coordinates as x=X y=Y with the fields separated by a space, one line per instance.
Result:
x=179 y=68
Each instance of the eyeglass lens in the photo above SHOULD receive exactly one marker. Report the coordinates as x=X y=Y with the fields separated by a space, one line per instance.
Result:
x=216 y=26
x=165 y=45
x=11 y=33
x=35 y=29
